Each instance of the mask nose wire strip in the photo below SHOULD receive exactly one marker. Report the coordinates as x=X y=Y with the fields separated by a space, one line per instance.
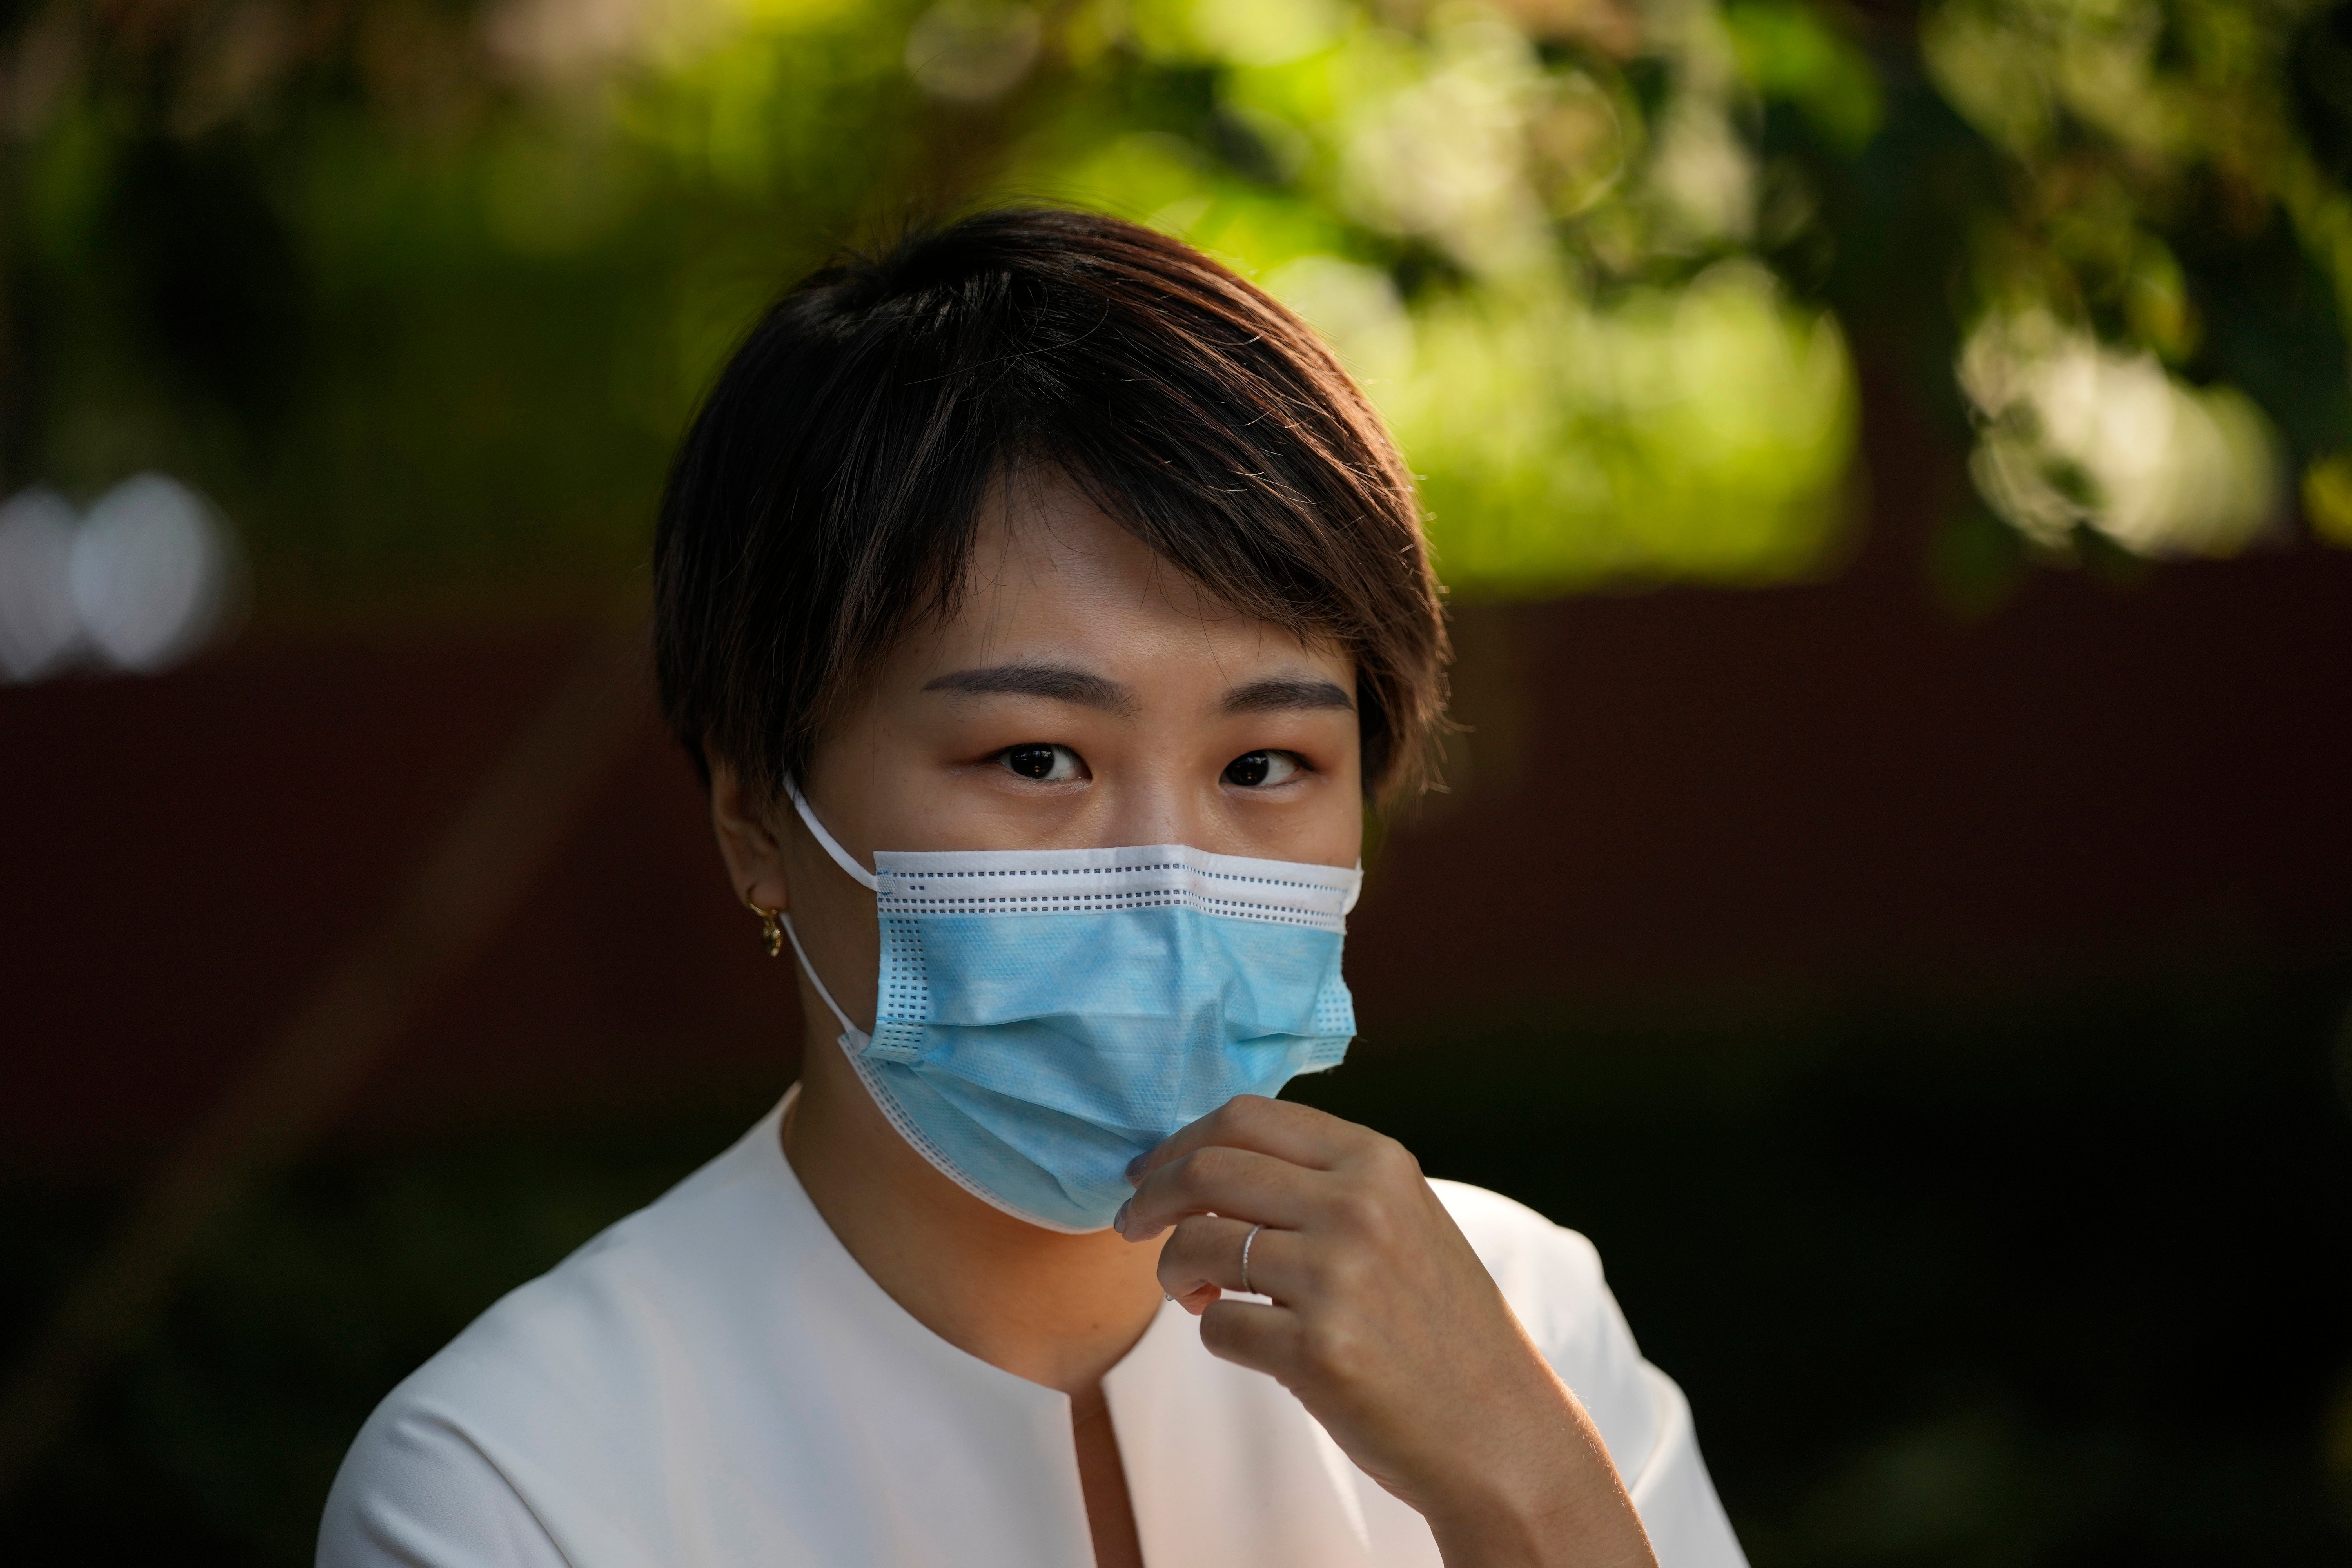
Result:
x=841 y=858
x=802 y=953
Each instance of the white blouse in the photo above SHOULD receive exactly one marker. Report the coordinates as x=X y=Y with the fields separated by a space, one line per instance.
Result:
x=715 y=1380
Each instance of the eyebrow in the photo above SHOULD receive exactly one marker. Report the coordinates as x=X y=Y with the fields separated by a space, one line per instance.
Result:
x=1278 y=696
x=1056 y=683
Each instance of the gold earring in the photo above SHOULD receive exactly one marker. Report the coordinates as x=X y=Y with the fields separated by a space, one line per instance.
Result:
x=772 y=934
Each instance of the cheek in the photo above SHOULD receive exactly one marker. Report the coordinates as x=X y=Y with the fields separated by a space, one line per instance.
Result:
x=1336 y=754
x=1348 y=830
x=1329 y=831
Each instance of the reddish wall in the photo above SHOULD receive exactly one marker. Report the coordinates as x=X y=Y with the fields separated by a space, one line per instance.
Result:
x=1798 y=787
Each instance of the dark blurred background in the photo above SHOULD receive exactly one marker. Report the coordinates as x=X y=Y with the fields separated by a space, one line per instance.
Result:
x=1894 y=467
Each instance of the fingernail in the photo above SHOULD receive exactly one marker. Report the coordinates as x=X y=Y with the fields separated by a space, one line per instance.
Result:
x=1135 y=1167
x=1118 y=1220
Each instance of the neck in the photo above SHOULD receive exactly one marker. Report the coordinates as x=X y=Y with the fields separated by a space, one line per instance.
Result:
x=1057 y=1309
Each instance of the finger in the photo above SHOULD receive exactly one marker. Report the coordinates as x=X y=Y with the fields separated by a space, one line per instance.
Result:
x=1204 y=1257
x=1235 y=1183
x=1298 y=1134
x=1250 y=1334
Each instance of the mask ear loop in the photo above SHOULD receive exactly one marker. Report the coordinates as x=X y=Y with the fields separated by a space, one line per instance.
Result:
x=863 y=878
x=841 y=858
x=849 y=1030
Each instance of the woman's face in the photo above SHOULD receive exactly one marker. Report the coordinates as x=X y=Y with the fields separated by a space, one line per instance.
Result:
x=1086 y=695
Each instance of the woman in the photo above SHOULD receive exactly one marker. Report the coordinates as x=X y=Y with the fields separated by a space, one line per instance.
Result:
x=1042 y=604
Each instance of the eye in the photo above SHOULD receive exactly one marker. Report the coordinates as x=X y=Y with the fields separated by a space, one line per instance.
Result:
x=1256 y=770
x=1046 y=763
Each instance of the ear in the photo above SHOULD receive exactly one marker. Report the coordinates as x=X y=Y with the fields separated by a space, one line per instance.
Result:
x=754 y=855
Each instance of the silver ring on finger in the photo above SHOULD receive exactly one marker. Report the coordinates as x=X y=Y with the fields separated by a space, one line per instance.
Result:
x=1246 y=1289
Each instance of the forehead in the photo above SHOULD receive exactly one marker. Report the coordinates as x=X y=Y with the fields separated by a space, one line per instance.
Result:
x=1051 y=573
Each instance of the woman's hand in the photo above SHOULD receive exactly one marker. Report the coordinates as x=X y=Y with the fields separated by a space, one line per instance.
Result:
x=1386 y=1326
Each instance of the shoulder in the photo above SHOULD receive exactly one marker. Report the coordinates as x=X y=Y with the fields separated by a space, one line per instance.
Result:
x=546 y=1395
x=417 y=1490
x=592 y=1332
x=1552 y=1277
x=1521 y=1248
x=447 y=1469
x=1550 y=1274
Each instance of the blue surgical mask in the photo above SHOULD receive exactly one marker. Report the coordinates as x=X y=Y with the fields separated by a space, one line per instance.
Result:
x=1044 y=1016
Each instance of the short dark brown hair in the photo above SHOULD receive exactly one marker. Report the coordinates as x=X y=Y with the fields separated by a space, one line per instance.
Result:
x=826 y=498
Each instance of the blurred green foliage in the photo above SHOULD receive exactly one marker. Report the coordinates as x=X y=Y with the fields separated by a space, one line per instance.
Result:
x=420 y=290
